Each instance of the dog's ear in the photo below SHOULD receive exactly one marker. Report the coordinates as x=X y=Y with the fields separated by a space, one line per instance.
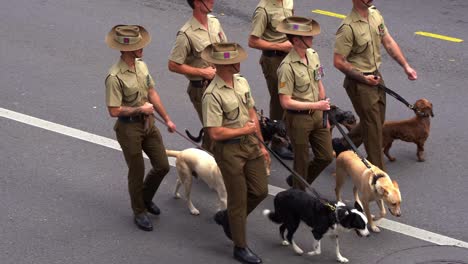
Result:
x=381 y=190
x=395 y=184
x=358 y=207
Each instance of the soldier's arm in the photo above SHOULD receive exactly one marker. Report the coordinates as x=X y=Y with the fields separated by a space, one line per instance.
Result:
x=261 y=44
x=395 y=52
x=340 y=62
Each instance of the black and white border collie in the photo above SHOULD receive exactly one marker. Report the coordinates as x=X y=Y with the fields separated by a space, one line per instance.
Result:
x=293 y=206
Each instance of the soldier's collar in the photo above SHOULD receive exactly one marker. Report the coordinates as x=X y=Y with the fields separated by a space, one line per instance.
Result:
x=123 y=66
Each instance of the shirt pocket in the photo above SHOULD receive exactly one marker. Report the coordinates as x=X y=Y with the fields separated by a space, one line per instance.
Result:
x=231 y=110
x=130 y=91
x=302 y=81
x=276 y=17
x=199 y=44
x=362 y=42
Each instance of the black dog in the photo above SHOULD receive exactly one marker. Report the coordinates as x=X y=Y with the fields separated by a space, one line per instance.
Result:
x=293 y=206
x=345 y=118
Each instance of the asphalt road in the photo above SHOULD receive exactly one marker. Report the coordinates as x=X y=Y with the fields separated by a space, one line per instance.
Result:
x=64 y=199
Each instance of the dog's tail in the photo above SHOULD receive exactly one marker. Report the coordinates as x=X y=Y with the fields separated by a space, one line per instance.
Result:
x=193 y=138
x=172 y=153
x=272 y=216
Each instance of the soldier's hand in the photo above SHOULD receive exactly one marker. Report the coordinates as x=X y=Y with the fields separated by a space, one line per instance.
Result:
x=412 y=75
x=147 y=108
x=208 y=72
x=171 y=127
x=323 y=105
x=250 y=127
x=372 y=79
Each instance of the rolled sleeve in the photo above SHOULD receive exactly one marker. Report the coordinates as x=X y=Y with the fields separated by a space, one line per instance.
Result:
x=259 y=23
x=212 y=112
x=285 y=79
x=344 y=40
x=180 y=50
x=113 y=92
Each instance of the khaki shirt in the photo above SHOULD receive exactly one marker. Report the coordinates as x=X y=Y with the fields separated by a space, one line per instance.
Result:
x=227 y=106
x=359 y=44
x=300 y=80
x=192 y=39
x=126 y=86
x=267 y=16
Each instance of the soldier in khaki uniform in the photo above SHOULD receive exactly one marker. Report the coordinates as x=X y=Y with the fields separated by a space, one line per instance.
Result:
x=230 y=119
x=274 y=46
x=131 y=97
x=201 y=30
x=302 y=94
x=357 y=55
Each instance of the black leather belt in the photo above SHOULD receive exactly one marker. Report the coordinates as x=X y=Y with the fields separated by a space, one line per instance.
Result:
x=274 y=53
x=200 y=83
x=300 y=112
x=371 y=73
x=132 y=119
x=231 y=141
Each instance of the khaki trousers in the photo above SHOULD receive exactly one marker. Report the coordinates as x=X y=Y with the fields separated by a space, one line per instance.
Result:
x=245 y=177
x=133 y=139
x=269 y=67
x=369 y=104
x=196 y=97
x=305 y=129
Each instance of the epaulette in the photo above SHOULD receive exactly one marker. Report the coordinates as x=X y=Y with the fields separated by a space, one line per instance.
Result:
x=114 y=70
x=184 y=27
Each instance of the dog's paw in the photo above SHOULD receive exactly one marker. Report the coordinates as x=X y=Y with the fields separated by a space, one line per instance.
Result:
x=342 y=259
x=392 y=159
x=297 y=249
x=314 y=253
x=375 y=229
x=285 y=243
x=194 y=211
x=176 y=195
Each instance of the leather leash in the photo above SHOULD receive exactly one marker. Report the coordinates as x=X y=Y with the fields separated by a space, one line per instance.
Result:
x=297 y=176
x=350 y=142
x=182 y=135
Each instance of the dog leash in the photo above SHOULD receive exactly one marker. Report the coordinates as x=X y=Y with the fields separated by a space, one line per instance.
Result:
x=396 y=96
x=350 y=142
x=180 y=134
x=296 y=175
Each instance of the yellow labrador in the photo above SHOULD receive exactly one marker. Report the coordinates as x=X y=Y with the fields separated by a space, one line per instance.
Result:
x=372 y=185
x=202 y=165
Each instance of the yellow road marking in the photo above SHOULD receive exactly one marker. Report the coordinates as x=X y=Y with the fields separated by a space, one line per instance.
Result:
x=421 y=33
x=327 y=13
x=437 y=36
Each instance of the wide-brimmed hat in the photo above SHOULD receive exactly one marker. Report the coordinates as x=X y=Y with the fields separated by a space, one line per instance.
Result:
x=128 y=37
x=300 y=26
x=224 y=53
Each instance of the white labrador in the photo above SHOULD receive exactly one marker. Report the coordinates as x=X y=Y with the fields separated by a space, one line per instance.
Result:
x=198 y=163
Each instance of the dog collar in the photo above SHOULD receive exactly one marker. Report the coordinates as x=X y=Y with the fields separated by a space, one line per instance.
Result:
x=376 y=177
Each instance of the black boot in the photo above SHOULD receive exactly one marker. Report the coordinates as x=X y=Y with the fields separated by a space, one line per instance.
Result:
x=152 y=208
x=245 y=255
x=143 y=222
x=221 y=218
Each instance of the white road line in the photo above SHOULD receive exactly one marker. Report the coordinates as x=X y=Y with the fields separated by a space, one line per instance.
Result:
x=273 y=190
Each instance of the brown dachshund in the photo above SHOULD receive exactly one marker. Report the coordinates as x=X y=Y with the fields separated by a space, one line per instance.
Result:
x=414 y=130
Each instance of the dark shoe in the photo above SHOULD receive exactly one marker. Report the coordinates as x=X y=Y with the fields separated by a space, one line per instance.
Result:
x=221 y=218
x=245 y=255
x=338 y=146
x=152 y=208
x=143 y=222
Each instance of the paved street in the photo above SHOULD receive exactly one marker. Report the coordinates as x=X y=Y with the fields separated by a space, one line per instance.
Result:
x=63 y=185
